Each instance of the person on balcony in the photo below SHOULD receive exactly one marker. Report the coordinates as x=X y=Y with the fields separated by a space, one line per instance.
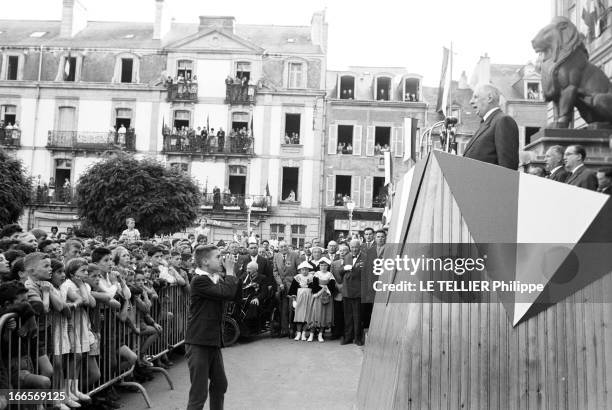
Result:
x=51 y=189
x=221 y=139
x=291 y=197
x=67 y=190
x=212 y=142
x=121 y=134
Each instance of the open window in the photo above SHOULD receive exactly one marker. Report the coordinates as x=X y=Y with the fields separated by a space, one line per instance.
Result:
x=240 y=120
x=127 y=66
x=243 y=69
x=289 y=190
x=343 y=189
x=347 y=87
x=237 y=179
x=382 y=139
x=63 y=171
x=383 y=89
x=345 y=139
x=292 y=128
x=184 y=69
x=180 y=166
x=533 y=91
x=182 y=119
x=12 y=67
x=411 y=89
x=8 y=114
x=379 y=192
x=70 y=68
x=123 y=118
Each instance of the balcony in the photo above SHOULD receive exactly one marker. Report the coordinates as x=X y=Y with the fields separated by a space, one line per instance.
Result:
x=234 y=202
x=44 y=195
x=183 y=92
x=180 y=144
x=236 y=94
x=92 y=141
x=10 y=138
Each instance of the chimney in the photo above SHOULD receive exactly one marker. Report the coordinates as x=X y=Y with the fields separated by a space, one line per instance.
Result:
x=162 y=20
x=482 y=73
x=74 y=18
x=463 y=82
x=226 y=23
x=318 y=29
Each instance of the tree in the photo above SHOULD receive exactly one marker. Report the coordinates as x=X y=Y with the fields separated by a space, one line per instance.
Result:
x=161 y=200
x=15 y=188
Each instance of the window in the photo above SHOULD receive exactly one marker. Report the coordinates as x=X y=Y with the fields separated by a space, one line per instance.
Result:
x=383 y=88
x=533 y=91
x=343 y=189
x=295 y=75
x=70 y=68
x=127 y=65
x=298 y=236
x=347 y=87
x=243 y=69
x=185 y=69
x=240 y=120
x=180 y=166
x=67 y=119
x=382 y=139
x=63 y=169
x=292 y=129
x=13 y=67
x=124 y=117
x=181 y=119
x=237 y=179
x=411 y=89
x=290 y=184
x=345 y=139
x=278 y=230
x=529 y=132
x=379 y=193
x=8 y=114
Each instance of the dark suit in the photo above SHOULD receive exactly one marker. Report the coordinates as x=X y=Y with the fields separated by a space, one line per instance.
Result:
x=584 y=178
x=263 y=267
x=559 y=175
x=495 y=142
x=607 y=190
x=284 y=269
x=351 y=297
x=336 y=269
x=203 y=339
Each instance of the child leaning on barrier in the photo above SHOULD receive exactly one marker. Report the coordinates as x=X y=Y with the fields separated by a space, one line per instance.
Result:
x=149 y=330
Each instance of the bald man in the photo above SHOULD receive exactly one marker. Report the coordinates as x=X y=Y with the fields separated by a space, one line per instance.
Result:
x=496 y=141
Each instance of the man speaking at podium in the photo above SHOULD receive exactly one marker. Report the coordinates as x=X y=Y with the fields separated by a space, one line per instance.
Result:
x=496 y=140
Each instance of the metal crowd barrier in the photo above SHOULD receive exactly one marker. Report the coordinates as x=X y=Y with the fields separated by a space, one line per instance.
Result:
x=106 y=363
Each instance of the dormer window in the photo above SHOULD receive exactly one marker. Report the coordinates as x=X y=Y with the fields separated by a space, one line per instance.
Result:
x=127 y=67
x=347 y=87
x=295 y=75
x=533 y=91
x=412 y=89
x=383 y=89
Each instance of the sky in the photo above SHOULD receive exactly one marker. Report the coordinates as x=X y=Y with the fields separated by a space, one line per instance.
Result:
x=408 y=33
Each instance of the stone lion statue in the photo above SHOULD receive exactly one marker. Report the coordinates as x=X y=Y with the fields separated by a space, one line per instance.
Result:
x=568 y=79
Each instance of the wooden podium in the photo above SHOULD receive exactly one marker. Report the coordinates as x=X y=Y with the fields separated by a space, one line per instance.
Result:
x=425 y=354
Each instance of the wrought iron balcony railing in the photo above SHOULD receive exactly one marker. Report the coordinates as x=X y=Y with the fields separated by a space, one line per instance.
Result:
x=95 y=141
x=239 y=94
x=236 y=145
x=45 y=195
x=221 y=201
x=10 y=137
x=186 y=91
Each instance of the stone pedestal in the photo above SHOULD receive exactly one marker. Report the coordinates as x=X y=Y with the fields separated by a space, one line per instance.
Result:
x=596 y=142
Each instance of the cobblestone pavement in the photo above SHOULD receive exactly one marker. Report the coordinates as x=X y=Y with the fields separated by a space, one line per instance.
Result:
x=265 y=373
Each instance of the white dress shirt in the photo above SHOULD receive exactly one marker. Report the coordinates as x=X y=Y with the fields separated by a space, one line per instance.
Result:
x=213 y=276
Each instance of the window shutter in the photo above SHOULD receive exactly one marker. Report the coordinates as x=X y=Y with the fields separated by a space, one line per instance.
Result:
x=367 y=191
x=355 y=190
x=333 y=139
x=398 y=147
x=357 y=140
x=370 y=142
x=331 y=190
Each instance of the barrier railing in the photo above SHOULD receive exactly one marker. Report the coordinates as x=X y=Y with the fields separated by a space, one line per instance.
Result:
x=97 y=346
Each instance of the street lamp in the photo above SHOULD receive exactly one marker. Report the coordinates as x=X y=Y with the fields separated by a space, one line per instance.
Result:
x=350 y=205
x=248 y=201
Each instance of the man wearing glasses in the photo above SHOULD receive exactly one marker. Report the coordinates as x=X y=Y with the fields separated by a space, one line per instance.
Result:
x=580 y=175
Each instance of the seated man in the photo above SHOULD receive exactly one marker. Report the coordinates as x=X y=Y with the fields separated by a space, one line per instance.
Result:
x=255 y=291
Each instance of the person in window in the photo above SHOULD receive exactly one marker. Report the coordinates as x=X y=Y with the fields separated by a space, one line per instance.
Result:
x=287 y=139
x=339 y=201
x=67 y=190
x=385 y=147
x=345 y=94
x=377 y=149
x=291 y=197
x=340 y=148
x=349 y=148
x=350 y=94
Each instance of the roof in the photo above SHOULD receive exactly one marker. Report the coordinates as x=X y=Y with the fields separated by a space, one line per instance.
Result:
x=504 y=76
x=111 y=34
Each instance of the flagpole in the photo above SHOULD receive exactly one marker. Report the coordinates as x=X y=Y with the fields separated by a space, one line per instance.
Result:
x=450 y=87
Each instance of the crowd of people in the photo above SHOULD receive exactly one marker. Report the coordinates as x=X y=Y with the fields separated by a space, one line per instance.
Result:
x=207 y=141
x=566 y=164
x=54 y=280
